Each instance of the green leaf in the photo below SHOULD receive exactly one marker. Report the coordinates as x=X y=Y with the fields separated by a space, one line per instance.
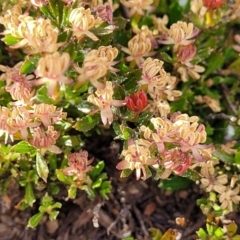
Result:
x=105 y=189
x=219 y=232
x=126 y=173
x=201 y=233
x=23 y=147
x=130 y=84
x=29 y=197
x=223 y=156
x=192 y=175
x=42 y=167
x=63 y=178
x=34 y=220
x=237 y=158
x=28 y=66
x=175 y=11
x=175 y=183
x=10 y=40
x=215 y=61
x=72 y=192
x=165 y=57
x=231 y=229
x=53 y=215
x=54 y=188
x=155 y=233
x=87 y=123
x=47 y=13
x=97 y=170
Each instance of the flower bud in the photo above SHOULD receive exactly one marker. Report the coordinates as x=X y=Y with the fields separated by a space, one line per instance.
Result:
x=136 y=101
x=212 y=4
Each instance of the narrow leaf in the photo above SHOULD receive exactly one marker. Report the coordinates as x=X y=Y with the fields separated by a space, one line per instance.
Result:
x=29 y=197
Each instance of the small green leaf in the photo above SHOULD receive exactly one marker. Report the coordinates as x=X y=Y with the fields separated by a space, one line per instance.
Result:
x=47 y=13
x=237 y=158
x=53 y=215
x=219 y=232
x=42 y=167
x=215 y=61
x=231 y=229
x=23 y=147
x=28 y=66
x=29 y=197
x=87 y=123
x=165 y=57
x=97 y=170
x=155 y=233
x=175 y=183
x=126 y=173
x=105 y=189
x=63 y=178
x=130 y=84
x=201 y=233
x=34 y=220
x=10 y=40
x=72 y=192
x=192 y=175
x=223 y=156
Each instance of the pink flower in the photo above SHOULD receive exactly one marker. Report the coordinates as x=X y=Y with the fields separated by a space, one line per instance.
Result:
x=45 y=141
x=177 y=160
x=78 y=165
x=47 y=113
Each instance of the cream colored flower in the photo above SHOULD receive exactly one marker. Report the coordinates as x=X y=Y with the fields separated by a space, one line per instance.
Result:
x=210 y=181
x=212 y=103
x=199 y=9
x=180 y=33
x=228 y=197
x=138 y=47
x=96 y=65
x=38 y=36
x=82 y=22
x=148 y=33
x=11 y=21
x=51 y=69
x=159 y=107
x=237 y=39
x=104 y=102
x=137 y=6
x=108 y=53
x=161 y=24
x=136 y=157
x=192 y=71
x=153 y=74
x=227 y=147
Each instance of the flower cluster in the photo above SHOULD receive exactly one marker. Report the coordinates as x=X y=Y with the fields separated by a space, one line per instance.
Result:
x=26 y=119
x=173 y=145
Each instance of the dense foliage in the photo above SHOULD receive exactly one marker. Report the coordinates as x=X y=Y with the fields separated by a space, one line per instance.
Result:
x=161 y=76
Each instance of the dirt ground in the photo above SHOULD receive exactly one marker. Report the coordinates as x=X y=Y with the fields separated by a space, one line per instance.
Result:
x=132 y=208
